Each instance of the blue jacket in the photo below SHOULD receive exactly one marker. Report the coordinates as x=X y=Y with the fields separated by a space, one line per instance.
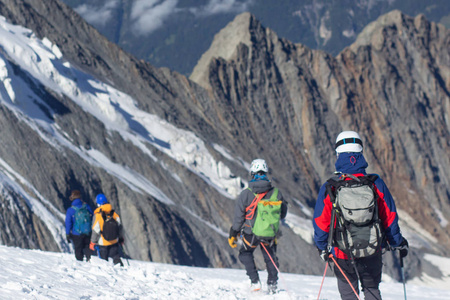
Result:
x=70 y=216
x=355 y=163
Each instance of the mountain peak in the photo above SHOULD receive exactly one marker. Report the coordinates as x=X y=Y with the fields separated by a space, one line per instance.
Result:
x=372 y=33
x=375 y=33
x=224 y=45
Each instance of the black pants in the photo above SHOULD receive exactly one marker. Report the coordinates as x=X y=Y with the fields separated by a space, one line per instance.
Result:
x=246 y=257
x=111 y=251
x=81 y=246
x=369 y=270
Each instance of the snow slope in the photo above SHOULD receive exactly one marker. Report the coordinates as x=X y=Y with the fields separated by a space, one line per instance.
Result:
x=34 y=274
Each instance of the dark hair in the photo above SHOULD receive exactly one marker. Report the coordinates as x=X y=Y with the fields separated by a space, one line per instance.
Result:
x=76 y=194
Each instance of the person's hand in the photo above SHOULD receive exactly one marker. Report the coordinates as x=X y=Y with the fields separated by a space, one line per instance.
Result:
x=92 y=246
x=68 y=238
x=121 y=240
x=324 y=254
x=232 y=241
x=403 y=248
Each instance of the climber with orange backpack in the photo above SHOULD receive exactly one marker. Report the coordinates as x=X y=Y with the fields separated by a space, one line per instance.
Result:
x=106 y=231
x=258 y=211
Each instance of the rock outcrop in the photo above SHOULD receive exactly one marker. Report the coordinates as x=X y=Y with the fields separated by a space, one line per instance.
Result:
x=391 y=85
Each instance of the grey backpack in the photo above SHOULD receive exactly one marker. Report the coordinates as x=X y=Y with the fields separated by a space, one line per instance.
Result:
x=358 y=228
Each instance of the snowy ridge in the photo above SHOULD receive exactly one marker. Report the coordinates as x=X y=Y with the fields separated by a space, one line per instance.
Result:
x=27 y=64
x=118 y=111
x=34 y=274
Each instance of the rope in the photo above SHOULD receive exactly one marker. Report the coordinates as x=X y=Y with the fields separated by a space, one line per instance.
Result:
x=323 y=278
x=275 y=265
x=345 y=276
x=250 y=210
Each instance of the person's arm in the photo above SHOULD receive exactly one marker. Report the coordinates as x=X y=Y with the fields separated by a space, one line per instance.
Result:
x=322 y=219
x=69 y=220
x=239 y=212
x=95 y=236
x=284 y=205
x=117 y=218
x=387 y=212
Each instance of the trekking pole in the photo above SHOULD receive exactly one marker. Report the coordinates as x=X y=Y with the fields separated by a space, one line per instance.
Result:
x=275 y=265
x=124 y=254
x=345 y=276
x=403 y=275
x=97 y=250
x=323 y=278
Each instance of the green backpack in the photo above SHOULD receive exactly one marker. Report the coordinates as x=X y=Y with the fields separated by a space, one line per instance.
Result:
x=268 y=212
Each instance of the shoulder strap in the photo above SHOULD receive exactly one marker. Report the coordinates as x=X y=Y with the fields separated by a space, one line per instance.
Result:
x=274 y=196
x=105 y=214
x=329 y=191
x=372 y=177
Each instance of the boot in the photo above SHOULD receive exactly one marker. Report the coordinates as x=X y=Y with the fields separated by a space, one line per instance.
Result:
x=272 y=287
x=255 y=286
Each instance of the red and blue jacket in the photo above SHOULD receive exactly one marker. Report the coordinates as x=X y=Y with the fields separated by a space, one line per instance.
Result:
x=355 y=163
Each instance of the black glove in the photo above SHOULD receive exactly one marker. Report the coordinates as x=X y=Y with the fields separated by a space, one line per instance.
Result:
x=324 y=255
x=403 y=248
x=68 y=238
x=121 y=240
x=233 y=233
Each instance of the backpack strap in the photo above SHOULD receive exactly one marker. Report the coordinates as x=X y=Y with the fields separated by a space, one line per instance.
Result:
x=250 y=210
x=372 y=177
x=104 y=214
x=274 y=196
x=330 y=188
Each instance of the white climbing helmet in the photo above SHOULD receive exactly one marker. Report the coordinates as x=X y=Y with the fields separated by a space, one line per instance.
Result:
x=348 y=141
x=258 y=165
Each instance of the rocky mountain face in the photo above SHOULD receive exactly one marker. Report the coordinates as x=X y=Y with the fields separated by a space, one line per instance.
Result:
x=155 y=230
x=391 y=85
x=252 y=94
